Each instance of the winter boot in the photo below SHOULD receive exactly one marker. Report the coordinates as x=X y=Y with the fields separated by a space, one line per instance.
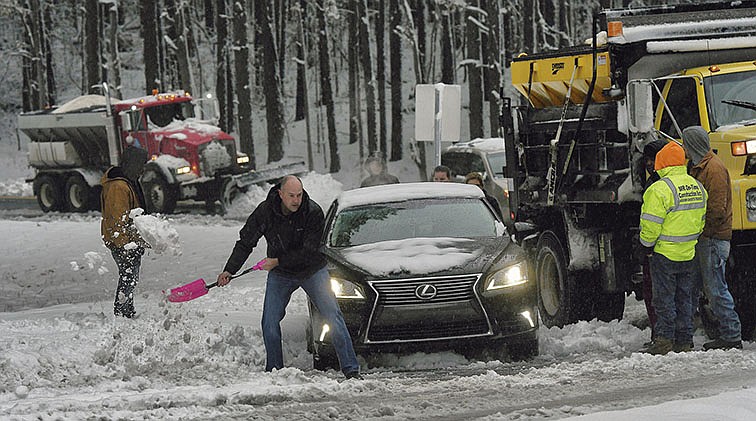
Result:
x=661 y=346
x=722 y=344
x=682 y=347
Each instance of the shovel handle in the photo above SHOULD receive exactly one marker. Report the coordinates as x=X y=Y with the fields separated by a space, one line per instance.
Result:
x=257 y=266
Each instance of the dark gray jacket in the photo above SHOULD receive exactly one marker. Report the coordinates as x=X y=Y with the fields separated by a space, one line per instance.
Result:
x=294 y=239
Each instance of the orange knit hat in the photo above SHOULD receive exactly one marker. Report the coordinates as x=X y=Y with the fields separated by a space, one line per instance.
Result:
x=670 y=155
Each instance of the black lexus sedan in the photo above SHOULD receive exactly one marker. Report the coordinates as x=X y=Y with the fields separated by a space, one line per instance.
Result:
x=425 y=267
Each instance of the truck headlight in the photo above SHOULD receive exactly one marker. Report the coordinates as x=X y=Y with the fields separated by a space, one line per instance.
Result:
x=242 y=159
x=183 y=170
x=345 y=289
x=507 y=277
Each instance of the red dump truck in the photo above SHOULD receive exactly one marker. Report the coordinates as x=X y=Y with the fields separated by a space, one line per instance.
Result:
x=191 y=157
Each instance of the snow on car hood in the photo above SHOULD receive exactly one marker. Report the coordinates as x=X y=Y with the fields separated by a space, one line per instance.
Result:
x=415 y=255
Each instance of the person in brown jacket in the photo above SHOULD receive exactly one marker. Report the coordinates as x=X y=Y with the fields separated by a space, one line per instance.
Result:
x=713 y=247
x=121 y=193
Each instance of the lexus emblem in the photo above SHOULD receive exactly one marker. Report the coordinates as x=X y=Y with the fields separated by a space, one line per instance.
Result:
x=425 y=291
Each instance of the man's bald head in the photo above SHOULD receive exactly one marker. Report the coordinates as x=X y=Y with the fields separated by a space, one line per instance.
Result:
x=291 y=193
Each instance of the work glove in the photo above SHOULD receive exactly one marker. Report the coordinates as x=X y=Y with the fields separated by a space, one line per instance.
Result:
x=642 y=252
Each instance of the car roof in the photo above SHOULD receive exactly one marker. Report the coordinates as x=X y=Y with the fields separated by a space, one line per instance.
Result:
x=389 y=193
x=486 y=145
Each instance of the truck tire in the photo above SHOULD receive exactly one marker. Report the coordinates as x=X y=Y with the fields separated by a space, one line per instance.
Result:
x=78 y=194
x=229 y=193
x=160 y=196
x=559 y=300
x=741 y=281
x=49 y=193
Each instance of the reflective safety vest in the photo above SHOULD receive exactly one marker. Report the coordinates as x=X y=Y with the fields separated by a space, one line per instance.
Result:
x=673 y=214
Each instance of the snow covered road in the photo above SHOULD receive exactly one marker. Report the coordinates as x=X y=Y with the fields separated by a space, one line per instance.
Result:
x=63 y=354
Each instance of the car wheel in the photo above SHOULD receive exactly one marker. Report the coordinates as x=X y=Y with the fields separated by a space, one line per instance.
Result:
x=49 y=193
x=559 y=299
x=77 y=194
x=160 y=196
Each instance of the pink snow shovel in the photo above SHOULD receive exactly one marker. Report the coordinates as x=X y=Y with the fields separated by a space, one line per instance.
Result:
x=198 y=288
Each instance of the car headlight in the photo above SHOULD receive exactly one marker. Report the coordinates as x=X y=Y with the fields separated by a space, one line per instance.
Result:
x=345 y=289
x=183 y=170
x=507 y=277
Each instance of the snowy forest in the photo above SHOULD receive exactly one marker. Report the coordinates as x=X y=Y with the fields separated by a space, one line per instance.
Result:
x=274 y=63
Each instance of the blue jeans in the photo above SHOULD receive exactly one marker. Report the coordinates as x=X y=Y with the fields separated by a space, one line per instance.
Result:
x=709 y=276
x=278 y=292
x=128 y=262
x=672 y=284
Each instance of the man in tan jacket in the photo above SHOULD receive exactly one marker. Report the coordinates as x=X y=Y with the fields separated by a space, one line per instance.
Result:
x=713 y=247
x=121 y=193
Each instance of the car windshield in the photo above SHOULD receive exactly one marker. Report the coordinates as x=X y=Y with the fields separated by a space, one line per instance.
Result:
x=456 y=218
x=728 y=97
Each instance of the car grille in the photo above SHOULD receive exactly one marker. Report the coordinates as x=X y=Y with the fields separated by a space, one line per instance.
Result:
x=400 y=315
x=402 y=292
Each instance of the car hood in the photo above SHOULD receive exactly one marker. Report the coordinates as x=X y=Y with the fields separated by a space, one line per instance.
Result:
x=422 y=256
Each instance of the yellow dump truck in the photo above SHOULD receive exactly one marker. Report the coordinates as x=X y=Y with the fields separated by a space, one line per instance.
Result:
x=588 y=111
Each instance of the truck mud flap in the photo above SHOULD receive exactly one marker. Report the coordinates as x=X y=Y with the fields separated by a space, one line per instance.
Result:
x=254 y=177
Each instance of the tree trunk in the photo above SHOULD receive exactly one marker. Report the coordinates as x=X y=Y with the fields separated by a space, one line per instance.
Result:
x=299 y=108
x=243 y=94
x=380 y=29
x=529 y=27
x=271 y=83
x=184 y=71
x=115 y=59
x=493 y=70
x=326 y=91
x=564 y=24
x=354 y=77
x=475 y=83
x=151 y=56
x=221 y=61
x=420 y=31
x=367 y=69
x=395 y=56
x=49 y=69
x=447 y=51
x=92 y=44
x=209 y=14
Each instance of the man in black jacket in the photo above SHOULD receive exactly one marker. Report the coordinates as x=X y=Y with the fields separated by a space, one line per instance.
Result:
x=292 y=225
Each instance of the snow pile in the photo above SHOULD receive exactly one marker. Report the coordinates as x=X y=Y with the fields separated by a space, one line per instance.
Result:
x=157 y=231
x=16 y=187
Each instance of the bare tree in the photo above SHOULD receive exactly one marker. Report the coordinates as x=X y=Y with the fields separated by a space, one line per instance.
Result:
x=241 y=82
x=493 y=69
x=380 y=72
x=473 y=66
x=114 y=59
x=367 y=69
x=271 y=83
x=326 y=90
x=355 y=134
x=181 y=48
x=395 y=56
x=447 y=50
x=150 y=53
x=91 y=42
x=222 y=88
x=299 y=108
